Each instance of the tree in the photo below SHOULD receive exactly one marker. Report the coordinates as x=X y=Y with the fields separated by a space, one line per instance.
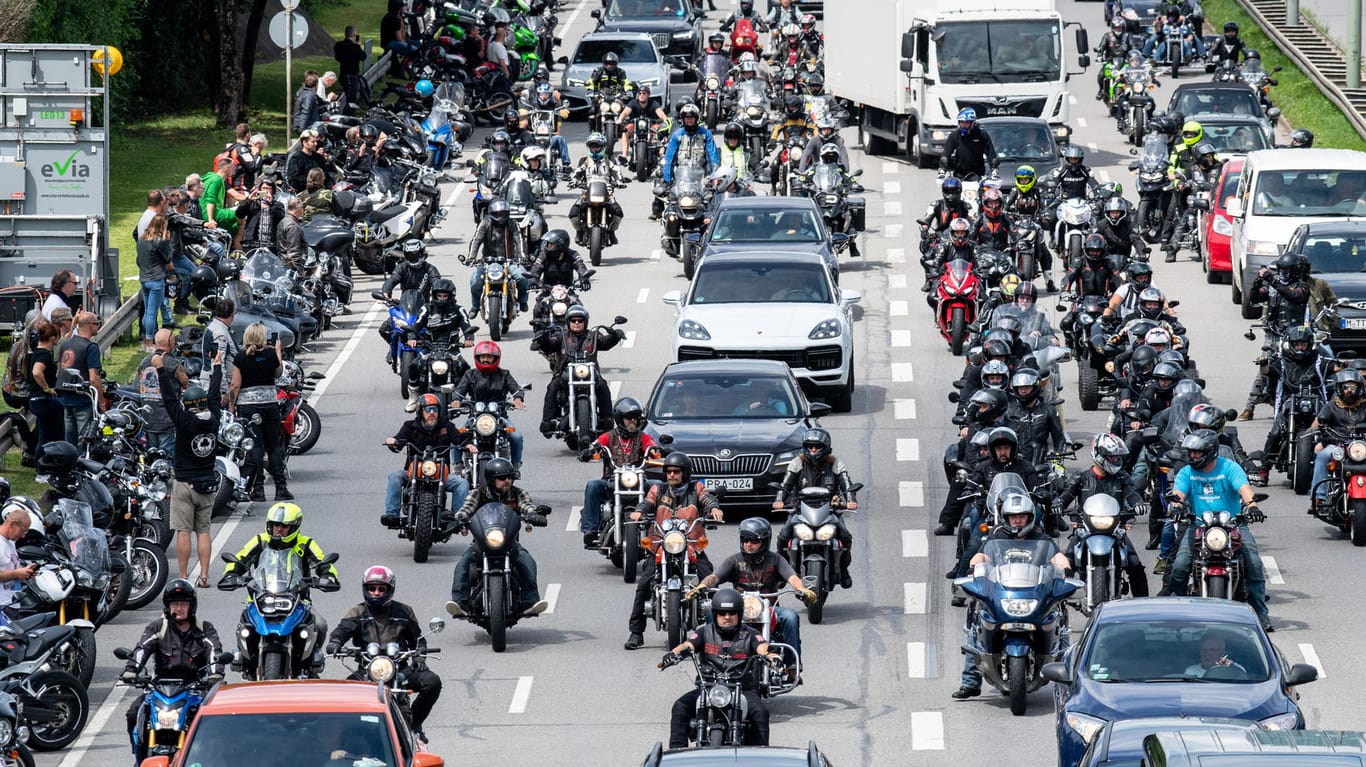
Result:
x=229 y=45
x=14 y=16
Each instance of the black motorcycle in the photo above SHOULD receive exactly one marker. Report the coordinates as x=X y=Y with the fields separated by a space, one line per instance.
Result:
x=52 y=703
x=844 y=213
x=488 y=427
x=494 y=597
x=389 y=666
x=578 y=408
x=1153 y=185
x=721 y=717
x=424 y=504
x=814 y=550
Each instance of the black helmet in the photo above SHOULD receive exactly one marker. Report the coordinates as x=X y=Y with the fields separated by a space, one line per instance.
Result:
x=1073 y=152
x=819 y=439
x=57 y=458
x=369 y=133
x=1252 y=53
x=1026 y=379
x=378 y=575
x=499 y=211
x=1028 y=290
x=816 y=80
x=792 y=105
x=414 y=252
x=179 y=590
x=610 y=59
x=577 y=312
x=512 y=118
x=1301 y=334
x=1108 y=453
x=500 y=137
x=677 y=460
x=228 y=269
x=689 y=110
x=716 y=40
x=443 y=285
x=1205 y=416
x=1205 y=154
x=1301 y=138
x=952 y=189
x=733 y=130
x=1165 y=375
x=1142 y=360
x=756 y=529
x=627 y=407
x=1348 y=377
x=1200 y=446
x=995 y=347
x=1295 y=266
x=1231 y=26
x=987 y=405
x=194 y=397
x=1094 y=245
x=203 y=281
x=499 y=468
x=727 y=601
x=555 y=243
x=1003 y=435
x=1140 y=274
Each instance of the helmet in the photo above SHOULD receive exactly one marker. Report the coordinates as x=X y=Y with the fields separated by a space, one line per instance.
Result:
x=179 y=590
x=790 y=30
x=1003 y=435
x=1010 y=324
x=756 y=529
x=1231 y=27
x=486 y=349
x=1251 y=53
x=610 y=59
x=1205 y=416
x=1205 y=154
x=1015 y=505
x=595 y=139
x=1200 y=446
x=995 y=347
x=792 y=105
x=414 y=252
x=1150 y=303
x=542 y=76
x=808 y=21
x=734 y=131
x=369 y=133
x=1073 y=155
x=1025 y=178
x=194 y=398
x=1165 y=375
x=203 y=281
x=727 y=601
x=289 y=515
x=499 y=468
x=429 y=400
x=534 y=152
x=995 y=373
x=378 y=575
x=678 y=460
x=499 y=212
x=1158 y=337
x=987 y=405
x=815 y=83
x=689 y=110
x=816 y=438
x=1094 y=245
x=228 y=269
x=1344 y=378
x=424 y=88
x=830 y=152
x=1026 y=379
x=748 y=67
x=1296 y=337
x=1191 y=133
x=1295 y=266
x=826 y=127
x=1142 y=360
x=1301 y=138
x=1010 y=284
x=544 y=89
x=443 y=285
x=716 y=40
x=1027 y=290
x=57 y=458
x=512 y=117
x=952 y=189
x=1140 y=274
x=723 y=177
x=1108 y=453
x=1117 y=23
x=555 y=243
x=992 y=203
x=967 y=115
x=1116 y=209
x=576 y=312
x=500 y=136
x=958 y=230
x=627 y=407
x=16 y=503
x=1178 y=359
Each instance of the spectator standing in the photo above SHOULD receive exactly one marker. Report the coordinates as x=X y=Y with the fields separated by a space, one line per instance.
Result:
x=253 y=394
x=154 y=264
x=289 y=235
x=218 y=333
x=156 y=203
x=260 y=215
x=61 y=289
x=185 y=228
x=393 y=36
x=195 y=416
x=307 y=106
x=42 y=400
x=160 y=429
x=250 y=162
x=304 y=158
x=497 y=49
x=325 y=83
x=350 y=58
x=82 y=354
x=17 y=386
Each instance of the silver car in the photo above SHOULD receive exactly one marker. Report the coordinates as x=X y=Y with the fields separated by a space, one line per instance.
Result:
x=639 y=58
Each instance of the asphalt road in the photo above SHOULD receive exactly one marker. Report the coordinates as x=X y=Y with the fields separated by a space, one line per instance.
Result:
x=880 y=669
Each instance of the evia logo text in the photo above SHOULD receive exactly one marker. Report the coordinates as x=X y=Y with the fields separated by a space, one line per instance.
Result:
x=70 y=170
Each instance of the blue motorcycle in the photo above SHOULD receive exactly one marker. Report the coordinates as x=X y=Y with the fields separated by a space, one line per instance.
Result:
x=168 y=709
x=1018 y=622
x=442 y=143
x=279 y=635
x=404 y=342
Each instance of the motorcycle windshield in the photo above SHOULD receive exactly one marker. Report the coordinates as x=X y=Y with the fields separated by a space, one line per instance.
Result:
x=278 y=572
x=1253 y=69
x=1154 y=155
x=688 y=181
x=714 y=65
x=450 y=94
x=87 y=544
x=519 y=195
x=1137 y=75
x=750 y=93
x=437 y=118
x=495 y=526
x=1032 y=322
x=265 y=269
x=826 y=177
x=1002 y=485
x=1020 y=564
x=1180 y=408
x=958 y=270
x=496 y=168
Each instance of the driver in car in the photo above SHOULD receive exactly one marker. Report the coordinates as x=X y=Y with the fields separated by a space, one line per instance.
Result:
x=1213 y=655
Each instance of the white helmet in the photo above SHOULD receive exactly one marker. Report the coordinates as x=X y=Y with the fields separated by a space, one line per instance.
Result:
x=533 y=152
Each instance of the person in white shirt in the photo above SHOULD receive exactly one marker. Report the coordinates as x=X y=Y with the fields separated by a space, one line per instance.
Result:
x=497 y=49
x=156 y=203
x=1213 y=654
x=17 y=514
x=62 y=288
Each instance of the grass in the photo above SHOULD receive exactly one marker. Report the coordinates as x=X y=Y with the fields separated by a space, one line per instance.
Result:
x=1302 y=104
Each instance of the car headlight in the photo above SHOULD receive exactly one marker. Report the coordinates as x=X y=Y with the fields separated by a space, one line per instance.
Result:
x=1102 y=522
x=1288 y=721
x=1264 y=248
x=441 y=367
x=1216 y=539
x=1019 y=607
x=582 y=372
x=1222 y=226
x=684 y=35
x=826 y=329
x=719 y=697
x=693 y=331
x=825 y=533
x=630 y=479
x=381 y=669
x=485 y=425
x=494 y=538
x=1356 y=451
x=939 y=135
x=675 y=542
x=754 y=609
x=803 y=531
x=1083 y=725
x=429 y=468
x=785 y=457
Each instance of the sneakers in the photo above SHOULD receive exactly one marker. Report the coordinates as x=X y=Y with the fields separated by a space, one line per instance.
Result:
x=963 y=693
x=258 y=493
x=1248 y=413
x=635 y=641
x=456 y=610
x=1160 y=567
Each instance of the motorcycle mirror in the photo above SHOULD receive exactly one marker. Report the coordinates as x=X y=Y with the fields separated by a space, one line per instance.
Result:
x=436 y=625
x=375 y=294
x=1060 y=308
x=618 y=320
x=474 y=330
x=526 y=387
x=595 y=13
x=775 y=486
x=52 y=522
x=469 y=162
x=229 y=558
x=953 y=397
x=1231 y=414
x=225 y=657
x=819 y=409
x=1173 y=304
x=857 y=173
x=1259 y=497
x=122 y=653
x=329 y=559
x=31 y=552
x=1273 y=113
x=590 y=272
x=1249 y=335
x=959 y=420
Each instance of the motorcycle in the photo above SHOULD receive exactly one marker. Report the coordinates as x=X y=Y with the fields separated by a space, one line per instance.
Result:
x=1020 y=621
x=579 y=408
x=619 y=538
x=403 y=341
x=751 y=112
x=233 y=447
x=442 y=145
x=1074 y=223
x=167 y=711
x=597 y=196
x=760 y=614
x=298 y=419
x=81 y=549
x=53 y=705
x=675 y=552
x=683 y=212
x=279 y=618
x=440 y=366
x=404 y=201
x=424 y=503
x=721 y=716
x=1255 y=76
x=743 y=39
x=844 y=213
x=712 y=77
x=1216 y=567
x=955 y=302
x=498 y=300
x=388 y=666
x=1298 y=407
x=814 y=551
x=542 y=123
x=494 y=596
x=488 y=422
x=551 y=304
x=1153 y=185
x=147 y=569
x=524 y=208
x=1136 y=103
x=790 y=150
x=1100 y=547
x=606 y=109
x=488 y=181
x=1344 y=503
x=13 y=748
x=648 y=138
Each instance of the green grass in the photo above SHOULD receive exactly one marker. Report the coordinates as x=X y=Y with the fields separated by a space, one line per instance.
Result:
x=1302 y=104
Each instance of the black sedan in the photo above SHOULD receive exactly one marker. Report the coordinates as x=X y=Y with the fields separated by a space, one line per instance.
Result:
x=766 y=223
x=1234 y=134
x=743 y=756
x=741 y=421
x=1337 y=255
x=1023 y=141
x=1210 y=100
x=1120 y=744
x=674 y=25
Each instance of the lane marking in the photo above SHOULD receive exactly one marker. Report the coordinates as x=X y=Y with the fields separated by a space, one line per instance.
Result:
x=902 y=372
x=901 y=338
x=552 y=595
x=361 y=332
x=655 y=255
x=915 y=543
x=899 y=308
x=910 y=493
x=570 y=22
x=1071 y=99
x=908 y=449
x=891 y=187
x=630 y=340
x=917 y=598
x=927 y=731
x=521 y=695
x=896 y=256
x=1103 y=175
x=643 y=295
x=889 y=167
x=891 y=208
x=1092 y=146
x=572 y=524
x=1273 y=571
x=615 y=389
x=893 y=231
x=896 y=281
x=915 y=660
x=1081 y=122
x=904 y=409
x=1310 y=656
x=94 y=726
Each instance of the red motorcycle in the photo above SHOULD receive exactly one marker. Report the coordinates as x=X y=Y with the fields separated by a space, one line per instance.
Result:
x=298 y=419
x=743 y=39
x=955 y=297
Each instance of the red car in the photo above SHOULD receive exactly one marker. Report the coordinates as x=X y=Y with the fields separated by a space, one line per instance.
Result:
x=1216 y=226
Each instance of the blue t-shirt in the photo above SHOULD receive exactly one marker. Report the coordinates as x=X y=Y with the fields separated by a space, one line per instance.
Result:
x=1215 y=490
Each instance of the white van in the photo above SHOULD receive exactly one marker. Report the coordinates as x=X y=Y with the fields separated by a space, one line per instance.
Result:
x=1281 y=189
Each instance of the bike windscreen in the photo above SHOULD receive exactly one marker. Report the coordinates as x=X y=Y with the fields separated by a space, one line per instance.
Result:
x=87 y=544
x=957 y=270
x=1180 y=408
x=264 y=268
x=278 y=572
x=1020 y=564
x=826 y=177
x=749 y=94
x=450 y=94
x=714 y=65
x=1154 y=154
x=496 y=168
x=437 y=118
x=688 y=180
x=519 y=195
x=1253 y=68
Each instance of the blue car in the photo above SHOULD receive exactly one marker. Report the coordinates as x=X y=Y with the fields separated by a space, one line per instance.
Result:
x=1168 y=656
x=1120 y=744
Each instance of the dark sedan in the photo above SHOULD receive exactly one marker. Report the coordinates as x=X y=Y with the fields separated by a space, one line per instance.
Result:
x=1171 y=656
x=765 y=223
x=1023 y=141
x=743 y=756
x=674 y=25
x=1337 y=255
x=1210 y=100
x=741 y=422
x=1234 y=134
x=1120 y=744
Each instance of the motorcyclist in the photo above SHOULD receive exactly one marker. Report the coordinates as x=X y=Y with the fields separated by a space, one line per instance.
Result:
x=584 y=343
x=716 y=45
x=519 y=137
x=1301 y=138
x=610 y=79
x=1122 y=238
x=788 y=47
x=382 y=620
x=442 y=317
x=977 y=376
x=1284 y=287
x=940 y=213
x=813 y=41
x=1211 y=483
x=536 y=162
x=496 y=239
x=1124 y=301
x=1093 y=277
x=1073 y=177
x=179 y=645
x=757 y=569
x=628 y=445
x=1181 y=169
x=992 y=229
x=782 y=13
x=555 y=263
x=1298 y=364
x=817 y=466
x=959 y=245
x=1004 y=456
x=968 y=150
x=489 y=382
x=1201 y=177
x=1002 y=447
x=679 y=497
x=794 y=120
x=1339 y=419
x=1107 y=477
x=690 y=144
x=1230 y=46
x=429 y=428
x=745 y=11
x=642 y=103
x=826 y=133
x=1026 y=199
x=1033 y=416
x=498 y=487
x=412 y=273
x=594 y=164
x=733 y=152
x=721 y=643
x=545 y=98
x=1113 y=45
x=283 y=521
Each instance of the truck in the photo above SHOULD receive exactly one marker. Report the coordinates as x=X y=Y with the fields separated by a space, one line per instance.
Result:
x=909 y=66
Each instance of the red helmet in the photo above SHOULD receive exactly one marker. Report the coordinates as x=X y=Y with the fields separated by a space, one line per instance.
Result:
x=483 y=349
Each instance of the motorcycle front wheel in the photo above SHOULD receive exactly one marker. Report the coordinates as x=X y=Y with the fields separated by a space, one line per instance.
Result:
x=308 y=427
x=79 y=660
x=495 y=317
x=814 y=577
x=498 y=616
x=596 y=242
x=272 y=666
x=1017 y=668
x=630 y=553
x=674 y=617
x=423 y=522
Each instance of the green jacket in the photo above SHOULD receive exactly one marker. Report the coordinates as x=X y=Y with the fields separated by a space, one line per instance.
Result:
x=307 y=549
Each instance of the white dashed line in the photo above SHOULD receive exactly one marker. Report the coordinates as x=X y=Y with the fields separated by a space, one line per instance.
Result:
x=615 y=389
x=896 y=256
x=656 y=254
x=1081 y=122
x=552 y=595
x=915 y=660
x=1103 y=175
x=901 y=338
x=1071 y=99
x=521 y=695
x=911 y=493
x=891 y=187
x=904 y=409
x=630 y=340
x=643 y=295
x=898 y=308
x=891 y=208
x=917 y=600
x=902 y=372
x=893 y=231
x=1092 y=146
x=927 y=731
x=889 y=167
x=572 y=524
x=915 y=543
x=896 y=281
x=1312 y=658
x=95 y=725
x=1273 y=571
x=908 y=449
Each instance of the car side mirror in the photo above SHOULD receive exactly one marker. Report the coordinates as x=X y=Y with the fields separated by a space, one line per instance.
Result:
x=1234 y=207
x=819 y=409
x=427 y=759
x=666 y=439
x=564 y=60
x=1273 y=114
x=672 y=297
x=1301 y=673
x=850 y=297
x=1056 y=672
x=693 y=237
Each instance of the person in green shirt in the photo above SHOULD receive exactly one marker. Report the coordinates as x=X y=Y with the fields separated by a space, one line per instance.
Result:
x=213 y=199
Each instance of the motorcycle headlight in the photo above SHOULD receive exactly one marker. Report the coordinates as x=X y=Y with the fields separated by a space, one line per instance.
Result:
x=719 y=697
x=1222 y=226
x=1216 y=539
x=687 y=202
x=1356 y=451
x=1102 y=522
x=829 y=199
x=753 y=111
x=155 y=491
x=382 y=669
x=161 y=467
x=1075 y=216
x=1085 y=318
x=494 y=538
x=233 y=433
x=630 y=479
x=754 y=609
x=693 y=331
x=713 y=83
x=826 y=329
x=441 y=367
x=429 y=468
x=167 y=718
x=248 y=444
x=616 y=107
x=675 y=542
x=1083 y=725
x=272 y=604
x=559 y=308
x=1287 y=721
x=496 y=272
x=485 y=425
x=1019 y=607
x=803 y=531
x=582 y=372
x=825 y=533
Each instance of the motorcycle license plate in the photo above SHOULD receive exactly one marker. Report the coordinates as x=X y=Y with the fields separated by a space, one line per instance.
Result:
x=730 y=483
x=1356 y=323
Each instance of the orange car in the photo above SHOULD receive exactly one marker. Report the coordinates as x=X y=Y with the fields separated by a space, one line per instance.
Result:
x=299 y=723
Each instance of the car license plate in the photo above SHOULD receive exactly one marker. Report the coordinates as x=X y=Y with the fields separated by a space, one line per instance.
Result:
x=1356 y=323
x=730 y=483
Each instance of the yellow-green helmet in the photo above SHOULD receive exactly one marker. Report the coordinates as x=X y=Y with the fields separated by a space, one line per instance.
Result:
x=1025 y=176
x=288 y=514
x=1191 y=133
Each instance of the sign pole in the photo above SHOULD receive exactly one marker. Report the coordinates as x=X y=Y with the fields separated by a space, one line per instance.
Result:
x=289 y=75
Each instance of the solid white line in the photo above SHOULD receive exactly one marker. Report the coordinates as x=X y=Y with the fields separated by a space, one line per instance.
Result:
x=892 y=231
x=643 y=295
x=357 y=336
x=901 y=338
x=520 y=695
x=902 y=372
x=630 y=340
x=552 y=595
x=896 y=256
x=908 y=449
x=889 y=167
x=891 y=187
x=896 y=281
x=910 y=493
x=94 y=726
x=615 y=389
x=899 y=308
x=572 y=524
x=904 y=409
x=915 y=660
x=1312 y=658
x=570 y=21
x=917 y=598
x=927 y=731
x=915 y=543
x=1273 y=571
x=891 y=208
x=1081 y=122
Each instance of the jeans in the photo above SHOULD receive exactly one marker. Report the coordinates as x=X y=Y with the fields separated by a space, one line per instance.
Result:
x=48 y=414
x=1321 y=460
x=477 y=287
x=523 y=570
x=76 y=418
x=516 y=441
x=1253 y=573
x=164 y=440
x=455 y=485
x=645 y=584
x=558 y=144
x=153 y=299
x=595 y=494
x=790 y=626
x=403 y=48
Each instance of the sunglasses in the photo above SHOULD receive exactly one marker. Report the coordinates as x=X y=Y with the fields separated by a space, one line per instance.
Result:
x=432 y=409
x=719 y=613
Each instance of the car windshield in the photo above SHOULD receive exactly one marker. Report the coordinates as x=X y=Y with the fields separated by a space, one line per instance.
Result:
x=768 y=225
x=636 y=9
x=630 y=51
x=766 y=283
x=724 y=396
x=1177 y=651
x=1336 y=253
x=998 y=51
x=1021 y=141
x=1236 y=100
x=288 y=739
x=1310 y=193
x=1239 y=138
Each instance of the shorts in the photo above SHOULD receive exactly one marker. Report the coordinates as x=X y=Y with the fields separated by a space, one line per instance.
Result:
x=190 y=511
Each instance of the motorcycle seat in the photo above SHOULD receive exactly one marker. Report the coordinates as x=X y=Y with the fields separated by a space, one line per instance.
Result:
x=31 y=622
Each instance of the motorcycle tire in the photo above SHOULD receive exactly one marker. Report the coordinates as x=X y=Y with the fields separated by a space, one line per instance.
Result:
x=1097 y=592
x=958 y=332
x=18 y=756
x=583 y=419
x=117 y=597
x=1357 y=526
x=424 y=519
x=713 y=115
x=149 y=571
x=630 y=553
x=1216 y=586
x=1150 y=229
x=272 y=666
x=223 y=502
x=815 y=578
x=158 y=530
x=716 y=738
x=494 y=316
x=689 y=262
x=405 y=361
x=1088 y=386
x=1302 y=469
x=596 y=241
x=498 y=613
x=1074 y=253
x=1139 y=125
x=308 y=427
x=1018 y=669
x=80 y=660
x=65 y=697
x=673 y=617
x=642 y=162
